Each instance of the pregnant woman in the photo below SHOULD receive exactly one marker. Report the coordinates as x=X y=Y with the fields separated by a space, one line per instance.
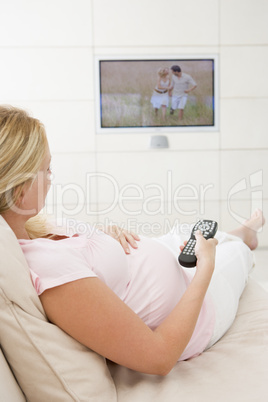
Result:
x=140 y=309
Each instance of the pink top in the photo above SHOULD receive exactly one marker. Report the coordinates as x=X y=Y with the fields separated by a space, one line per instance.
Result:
x=149 y=280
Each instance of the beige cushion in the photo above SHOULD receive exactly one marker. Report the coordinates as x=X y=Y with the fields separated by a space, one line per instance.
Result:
x=9 y=389
x=235 y=369
x=48 y=364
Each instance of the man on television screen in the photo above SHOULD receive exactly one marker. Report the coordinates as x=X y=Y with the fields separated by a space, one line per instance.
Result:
x=181 y=85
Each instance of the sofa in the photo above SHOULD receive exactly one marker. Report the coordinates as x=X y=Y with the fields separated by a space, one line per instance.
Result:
x=39 y=362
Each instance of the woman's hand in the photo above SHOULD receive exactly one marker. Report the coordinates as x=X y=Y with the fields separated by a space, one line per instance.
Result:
x=124 y=237
x=205 y=250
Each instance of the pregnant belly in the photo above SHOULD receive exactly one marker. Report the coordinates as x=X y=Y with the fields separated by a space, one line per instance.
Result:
x=156 y=282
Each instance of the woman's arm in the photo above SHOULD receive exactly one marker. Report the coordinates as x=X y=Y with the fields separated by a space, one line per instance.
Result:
x=92 y=314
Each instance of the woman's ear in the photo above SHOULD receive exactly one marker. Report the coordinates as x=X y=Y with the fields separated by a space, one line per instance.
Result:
x=21 y=200
x=19 y=194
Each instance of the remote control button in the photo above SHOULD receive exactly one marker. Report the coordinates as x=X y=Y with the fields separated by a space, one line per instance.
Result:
x=204 y=227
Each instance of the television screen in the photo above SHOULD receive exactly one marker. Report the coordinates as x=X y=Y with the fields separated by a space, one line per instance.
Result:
x=160 y=94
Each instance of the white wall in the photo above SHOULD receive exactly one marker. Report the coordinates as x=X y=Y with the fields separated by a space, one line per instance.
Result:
x=47 y=53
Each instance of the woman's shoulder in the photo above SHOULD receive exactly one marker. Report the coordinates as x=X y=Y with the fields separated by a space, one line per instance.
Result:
x=46 y=250
x=55 y=262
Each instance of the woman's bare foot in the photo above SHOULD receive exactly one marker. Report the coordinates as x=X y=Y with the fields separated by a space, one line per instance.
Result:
x=248 y=230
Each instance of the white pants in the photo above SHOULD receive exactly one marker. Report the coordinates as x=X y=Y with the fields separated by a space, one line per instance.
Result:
x=234 y=261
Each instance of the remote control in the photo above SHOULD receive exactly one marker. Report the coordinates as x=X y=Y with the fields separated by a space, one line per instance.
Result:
x=208 y=228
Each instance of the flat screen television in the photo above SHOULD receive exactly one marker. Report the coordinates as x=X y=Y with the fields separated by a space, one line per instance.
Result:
x=155 y=94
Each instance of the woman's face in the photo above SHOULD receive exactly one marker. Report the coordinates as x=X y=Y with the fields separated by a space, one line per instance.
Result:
x=35 y=193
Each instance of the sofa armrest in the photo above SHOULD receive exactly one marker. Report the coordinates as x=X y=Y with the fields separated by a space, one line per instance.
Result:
x=10 y=390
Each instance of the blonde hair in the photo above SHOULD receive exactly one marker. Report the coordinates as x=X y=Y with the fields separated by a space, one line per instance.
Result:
x=23 y=144
x=162 y=72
